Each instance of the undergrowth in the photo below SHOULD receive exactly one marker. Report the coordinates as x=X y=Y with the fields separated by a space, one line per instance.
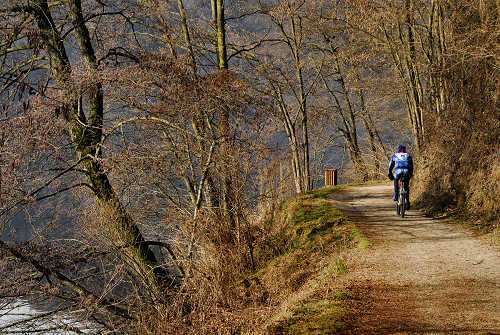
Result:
x=458 y=168
x=296 y=287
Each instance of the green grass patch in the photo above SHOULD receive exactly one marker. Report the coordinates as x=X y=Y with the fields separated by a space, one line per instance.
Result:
x=322 y=193
x=309 y=220
x=315 y=317
x=360 y=239
x=313 y=231
x=341 y=296
x=337 y=266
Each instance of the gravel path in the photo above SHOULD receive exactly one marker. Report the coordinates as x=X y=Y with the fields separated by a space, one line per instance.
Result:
x=421 y=275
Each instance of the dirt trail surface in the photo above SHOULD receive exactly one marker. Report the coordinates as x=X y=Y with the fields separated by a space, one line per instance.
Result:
x=421 y=275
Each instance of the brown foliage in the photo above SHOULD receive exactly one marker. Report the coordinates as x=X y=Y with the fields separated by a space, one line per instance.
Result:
x=459 y=166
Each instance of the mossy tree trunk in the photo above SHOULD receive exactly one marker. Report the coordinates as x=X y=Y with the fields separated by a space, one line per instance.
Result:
x=224 y=127
x=86 y=134
x=187 y=37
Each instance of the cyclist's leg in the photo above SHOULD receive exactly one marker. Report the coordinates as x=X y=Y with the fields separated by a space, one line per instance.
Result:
x=396 y=189
x=407 y=186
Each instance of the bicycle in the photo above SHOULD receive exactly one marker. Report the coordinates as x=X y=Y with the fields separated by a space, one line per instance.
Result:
x=401 y=204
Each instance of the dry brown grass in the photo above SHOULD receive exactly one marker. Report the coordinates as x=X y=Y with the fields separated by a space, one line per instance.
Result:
x=459 y=170
x=296 y=265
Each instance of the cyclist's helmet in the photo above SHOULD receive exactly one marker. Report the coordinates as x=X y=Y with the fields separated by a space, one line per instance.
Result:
x=402 y=148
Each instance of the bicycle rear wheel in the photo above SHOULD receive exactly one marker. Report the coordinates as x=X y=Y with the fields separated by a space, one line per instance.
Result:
x=402 y=206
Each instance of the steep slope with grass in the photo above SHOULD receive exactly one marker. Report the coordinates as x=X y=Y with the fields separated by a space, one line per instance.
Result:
x=300 y=283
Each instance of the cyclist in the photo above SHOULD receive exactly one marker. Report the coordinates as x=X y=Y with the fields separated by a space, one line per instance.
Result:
x=402 y=162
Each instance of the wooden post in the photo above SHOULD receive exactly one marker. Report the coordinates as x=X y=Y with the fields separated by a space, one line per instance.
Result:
x=330 y=177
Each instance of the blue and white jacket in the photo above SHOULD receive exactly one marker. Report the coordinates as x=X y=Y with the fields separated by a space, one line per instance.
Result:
x=403 y=163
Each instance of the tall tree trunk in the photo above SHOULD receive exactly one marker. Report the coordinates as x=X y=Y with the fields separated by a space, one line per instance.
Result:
x=404 y=59
x=289 y=126
x=209 y=188
x=213 y=4
x=415 y=92
x=221 y=36
x=436 y=56
x=187 y=37
x=227 y=196
x=197 y=122
x=350 y=132
x=303 y=108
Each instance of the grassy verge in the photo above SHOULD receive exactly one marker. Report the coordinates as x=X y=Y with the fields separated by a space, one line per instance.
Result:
x=303 y=282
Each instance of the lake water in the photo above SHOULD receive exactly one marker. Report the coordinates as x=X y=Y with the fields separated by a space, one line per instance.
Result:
x=20 y=317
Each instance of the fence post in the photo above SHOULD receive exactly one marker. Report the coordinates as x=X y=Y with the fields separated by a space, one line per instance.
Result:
x=330 y=177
